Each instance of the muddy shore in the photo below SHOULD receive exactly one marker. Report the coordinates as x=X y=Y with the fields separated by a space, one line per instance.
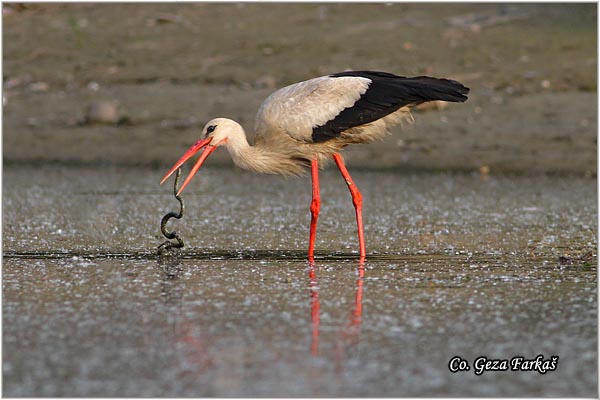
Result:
x=167 y=69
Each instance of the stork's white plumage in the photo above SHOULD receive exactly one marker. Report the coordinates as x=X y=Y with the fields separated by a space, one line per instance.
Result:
x=307 y=123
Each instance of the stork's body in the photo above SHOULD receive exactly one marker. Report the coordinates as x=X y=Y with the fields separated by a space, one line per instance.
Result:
x=307 y=123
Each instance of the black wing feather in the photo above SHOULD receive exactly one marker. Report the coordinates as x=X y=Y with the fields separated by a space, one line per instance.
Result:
x=386 y=94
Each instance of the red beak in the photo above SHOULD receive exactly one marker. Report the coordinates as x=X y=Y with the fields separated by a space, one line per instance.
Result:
x=188 y=154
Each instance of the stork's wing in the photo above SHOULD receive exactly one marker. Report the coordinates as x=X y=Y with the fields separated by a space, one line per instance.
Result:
x=386 y=94
x=322 y=108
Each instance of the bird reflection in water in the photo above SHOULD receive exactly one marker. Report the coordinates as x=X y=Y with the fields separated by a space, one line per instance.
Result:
x=194 y=346
x=351 y=331
x=315 y=309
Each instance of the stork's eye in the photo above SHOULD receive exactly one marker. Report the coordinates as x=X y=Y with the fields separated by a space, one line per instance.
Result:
x=211 y=129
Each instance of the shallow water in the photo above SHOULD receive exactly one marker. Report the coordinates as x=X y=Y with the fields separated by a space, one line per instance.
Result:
x=458 y=265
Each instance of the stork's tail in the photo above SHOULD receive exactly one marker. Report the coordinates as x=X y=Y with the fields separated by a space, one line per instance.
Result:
x=426 y=88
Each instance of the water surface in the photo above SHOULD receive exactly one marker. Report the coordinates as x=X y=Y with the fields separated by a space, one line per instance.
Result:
x=457 y=265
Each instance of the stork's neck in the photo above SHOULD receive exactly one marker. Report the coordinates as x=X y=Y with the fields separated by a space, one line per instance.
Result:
x=260 y=158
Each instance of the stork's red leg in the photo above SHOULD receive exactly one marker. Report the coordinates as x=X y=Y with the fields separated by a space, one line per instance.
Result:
x=356 y=200
x=315 y=206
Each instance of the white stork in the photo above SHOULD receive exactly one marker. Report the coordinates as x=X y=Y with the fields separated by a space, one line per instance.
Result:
x=309 y=122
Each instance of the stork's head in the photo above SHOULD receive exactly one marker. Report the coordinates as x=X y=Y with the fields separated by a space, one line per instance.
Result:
x=216 y=132
x=221 y=130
